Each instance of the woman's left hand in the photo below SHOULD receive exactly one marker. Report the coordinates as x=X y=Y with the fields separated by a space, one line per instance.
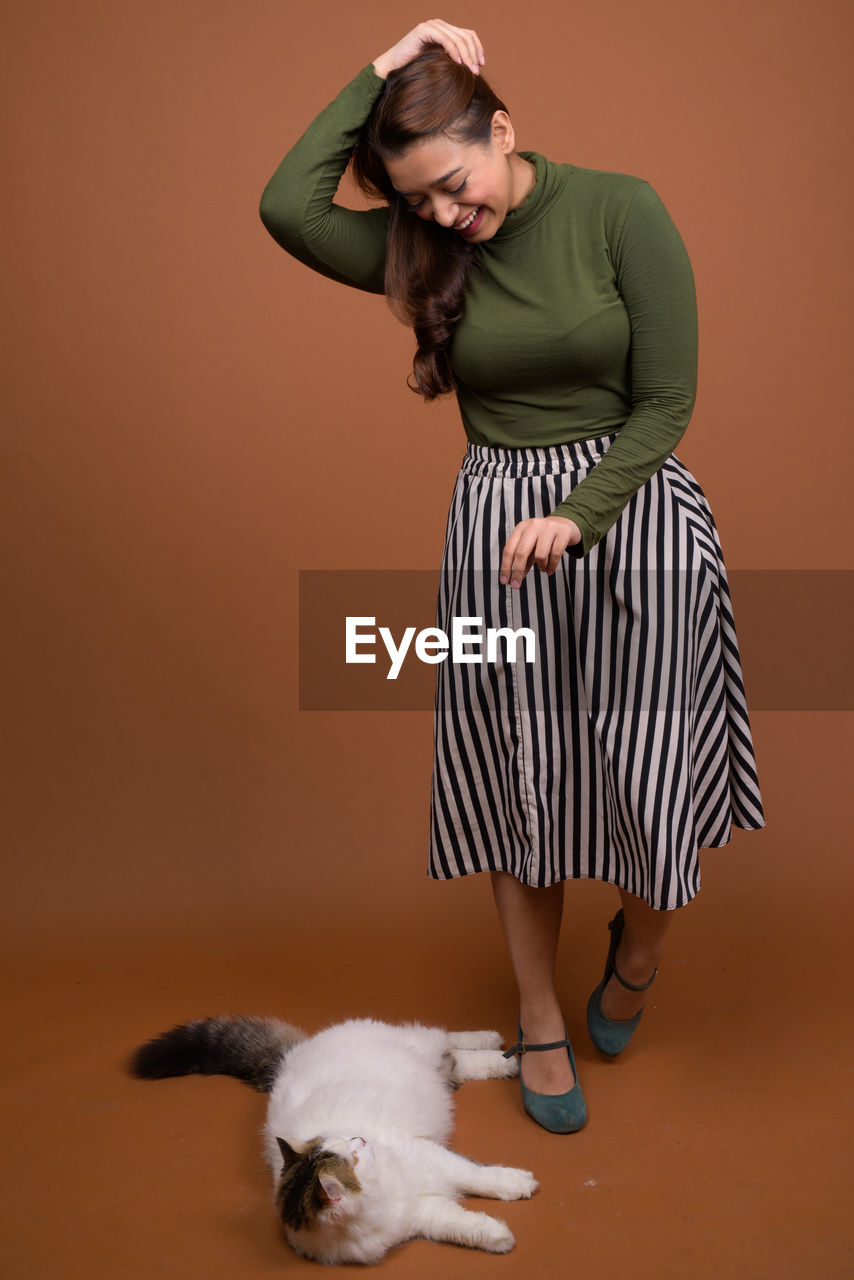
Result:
x=541 y=541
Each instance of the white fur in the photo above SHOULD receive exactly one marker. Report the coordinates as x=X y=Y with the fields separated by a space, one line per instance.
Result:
x=379 y=1095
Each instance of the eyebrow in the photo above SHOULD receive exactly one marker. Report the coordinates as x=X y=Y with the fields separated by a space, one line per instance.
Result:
x=437 y=183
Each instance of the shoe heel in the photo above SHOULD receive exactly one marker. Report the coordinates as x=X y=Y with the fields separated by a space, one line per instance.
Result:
x=611 y=1036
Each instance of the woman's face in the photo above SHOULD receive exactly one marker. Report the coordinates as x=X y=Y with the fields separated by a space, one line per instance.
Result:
x=469 y=187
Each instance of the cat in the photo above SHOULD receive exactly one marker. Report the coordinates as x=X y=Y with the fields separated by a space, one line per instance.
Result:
x=357 y=1123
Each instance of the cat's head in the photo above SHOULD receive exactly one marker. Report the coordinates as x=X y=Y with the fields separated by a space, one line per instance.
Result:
x=320 y=1195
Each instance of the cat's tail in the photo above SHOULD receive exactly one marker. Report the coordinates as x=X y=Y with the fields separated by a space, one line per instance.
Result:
x=251 y=1049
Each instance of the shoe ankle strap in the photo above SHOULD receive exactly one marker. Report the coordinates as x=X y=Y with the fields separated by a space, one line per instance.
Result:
x=630 y=986
x=521 y=1046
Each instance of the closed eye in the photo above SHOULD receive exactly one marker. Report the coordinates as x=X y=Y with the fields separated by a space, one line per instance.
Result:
x=413 y=208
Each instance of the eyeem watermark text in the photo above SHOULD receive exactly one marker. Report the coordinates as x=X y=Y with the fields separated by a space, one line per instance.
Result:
x=432 y=645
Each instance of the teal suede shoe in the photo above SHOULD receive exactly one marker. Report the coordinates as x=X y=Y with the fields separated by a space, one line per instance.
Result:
x=611 y=1036
x=560 y=1112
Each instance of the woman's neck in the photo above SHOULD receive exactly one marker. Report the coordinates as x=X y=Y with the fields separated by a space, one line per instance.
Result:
x=524 y=178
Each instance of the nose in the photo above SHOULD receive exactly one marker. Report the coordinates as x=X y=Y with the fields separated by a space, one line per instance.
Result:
x=445 y=212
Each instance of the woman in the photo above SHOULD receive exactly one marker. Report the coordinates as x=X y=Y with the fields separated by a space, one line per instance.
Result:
x=557 y=304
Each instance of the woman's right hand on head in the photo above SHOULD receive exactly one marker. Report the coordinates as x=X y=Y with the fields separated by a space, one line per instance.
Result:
x=458 y=42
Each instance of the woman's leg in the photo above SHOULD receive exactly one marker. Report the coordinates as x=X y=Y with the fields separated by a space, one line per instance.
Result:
x=640 y=951
x=530 y=919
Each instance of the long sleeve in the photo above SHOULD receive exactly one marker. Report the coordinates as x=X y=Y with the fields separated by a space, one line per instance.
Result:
x=655 y=280
x=298 y=208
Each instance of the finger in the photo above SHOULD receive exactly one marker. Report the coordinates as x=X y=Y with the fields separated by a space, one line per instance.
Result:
x=567 y=534
x=523 y=556
x=521 y=569
x=555 y=556
x=516 y=560
x=474 y=56
x=507 y=555
x=558 y=543
x=543 y=549
x=462 y=44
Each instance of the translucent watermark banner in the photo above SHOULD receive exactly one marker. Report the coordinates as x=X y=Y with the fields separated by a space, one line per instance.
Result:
x=369 y=639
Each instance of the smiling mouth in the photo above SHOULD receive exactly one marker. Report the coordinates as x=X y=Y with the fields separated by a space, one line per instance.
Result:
x=468 y=222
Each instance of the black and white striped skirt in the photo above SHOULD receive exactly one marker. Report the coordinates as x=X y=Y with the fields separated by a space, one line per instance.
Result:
x=625 y=747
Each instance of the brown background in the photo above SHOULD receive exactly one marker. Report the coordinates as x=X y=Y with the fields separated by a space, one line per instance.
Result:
x=191 y=418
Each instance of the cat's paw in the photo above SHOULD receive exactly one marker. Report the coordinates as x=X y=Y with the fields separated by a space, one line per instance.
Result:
x=482 y=1064
x=491 y=1234
x=476 y=1040
x=501 y=1068
x=513 y=1184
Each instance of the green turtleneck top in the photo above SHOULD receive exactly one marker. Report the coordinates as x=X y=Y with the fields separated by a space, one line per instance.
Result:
x=581 y=322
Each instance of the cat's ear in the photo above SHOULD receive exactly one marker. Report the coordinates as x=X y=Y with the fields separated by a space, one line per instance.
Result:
x=330 y=1188
x=288 y=1154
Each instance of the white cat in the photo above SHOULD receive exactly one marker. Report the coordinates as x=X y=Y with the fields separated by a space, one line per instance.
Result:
x=356 y=1127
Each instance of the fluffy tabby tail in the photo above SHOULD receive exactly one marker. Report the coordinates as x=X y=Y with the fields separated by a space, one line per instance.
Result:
x=252 y=1049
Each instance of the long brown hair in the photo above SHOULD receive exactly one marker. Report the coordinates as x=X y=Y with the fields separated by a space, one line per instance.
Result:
x=427 y=265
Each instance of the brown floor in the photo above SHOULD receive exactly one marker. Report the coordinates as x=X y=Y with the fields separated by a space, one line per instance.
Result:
x=717 y=1147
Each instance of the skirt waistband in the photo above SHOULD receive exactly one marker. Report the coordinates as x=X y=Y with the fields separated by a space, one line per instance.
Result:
x=543 y=460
